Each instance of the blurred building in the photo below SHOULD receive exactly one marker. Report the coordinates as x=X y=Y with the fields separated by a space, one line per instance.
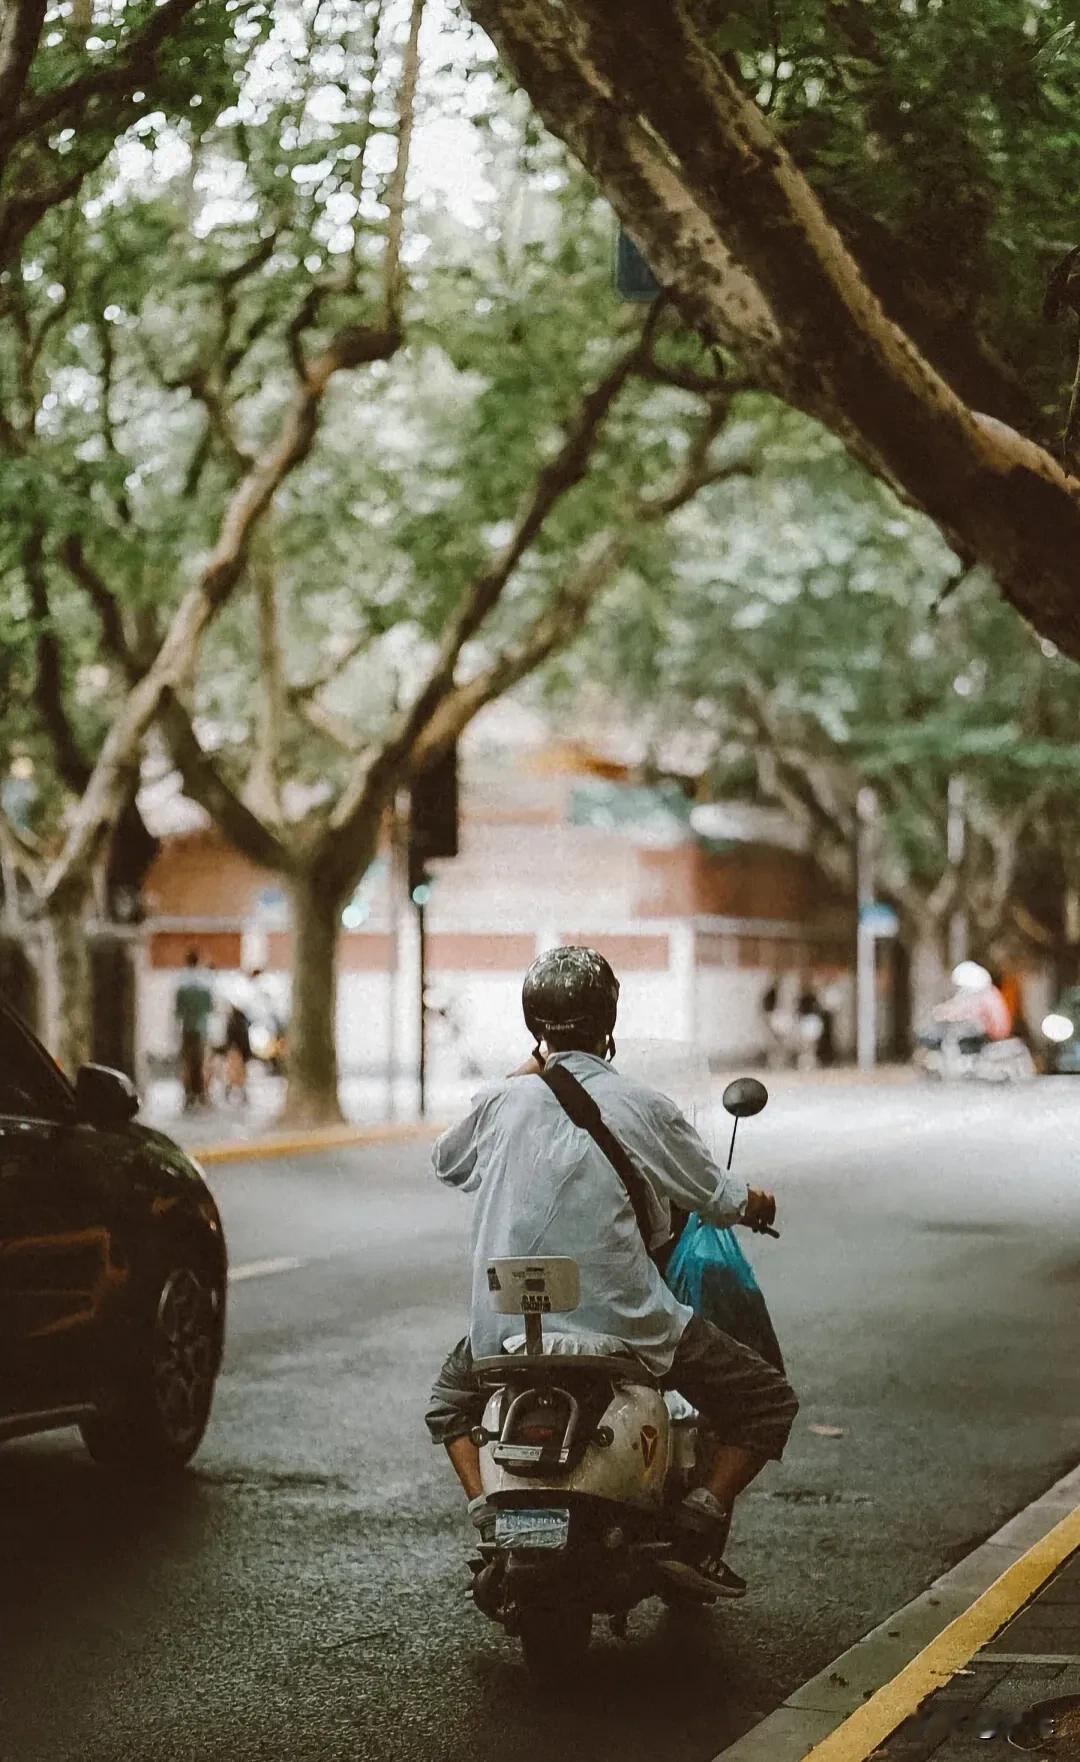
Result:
x=557 y=845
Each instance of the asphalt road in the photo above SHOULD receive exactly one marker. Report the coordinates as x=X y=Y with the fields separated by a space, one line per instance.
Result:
x=301 y=1595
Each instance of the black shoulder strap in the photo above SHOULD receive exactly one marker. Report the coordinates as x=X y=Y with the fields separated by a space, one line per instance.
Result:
x=582 y=1109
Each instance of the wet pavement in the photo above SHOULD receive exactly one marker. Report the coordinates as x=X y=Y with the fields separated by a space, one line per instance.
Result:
x=301 y=1595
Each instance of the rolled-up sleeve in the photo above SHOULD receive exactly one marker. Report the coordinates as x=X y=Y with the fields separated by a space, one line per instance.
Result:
x=454 y=1155
x=689 y=1175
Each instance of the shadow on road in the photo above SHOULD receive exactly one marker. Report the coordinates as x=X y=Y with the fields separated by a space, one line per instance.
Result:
x=68 y=1528
x=674 y=1672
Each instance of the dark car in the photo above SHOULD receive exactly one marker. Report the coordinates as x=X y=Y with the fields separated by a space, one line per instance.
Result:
x=112 y=1266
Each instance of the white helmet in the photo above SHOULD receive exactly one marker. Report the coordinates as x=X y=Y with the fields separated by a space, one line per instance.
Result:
x=969 y=976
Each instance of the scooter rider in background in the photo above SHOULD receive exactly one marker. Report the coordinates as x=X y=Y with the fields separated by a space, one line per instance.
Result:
x=543 y=1186
x=977 y=1007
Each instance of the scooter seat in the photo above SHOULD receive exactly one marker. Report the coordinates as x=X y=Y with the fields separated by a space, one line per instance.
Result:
x=564 y=1368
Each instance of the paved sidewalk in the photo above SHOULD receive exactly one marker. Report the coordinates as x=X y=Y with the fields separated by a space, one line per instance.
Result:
x=1021 y=1691
x=960 y=1666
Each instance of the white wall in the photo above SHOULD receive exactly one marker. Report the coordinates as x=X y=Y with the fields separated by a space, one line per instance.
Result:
x=718 y=1008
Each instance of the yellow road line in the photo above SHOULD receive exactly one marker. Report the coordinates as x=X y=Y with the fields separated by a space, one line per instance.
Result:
x=954 y=1647
x=301 y=1143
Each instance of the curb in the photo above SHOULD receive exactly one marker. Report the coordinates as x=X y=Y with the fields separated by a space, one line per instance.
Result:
x=845 y=1712
x=304 y=1143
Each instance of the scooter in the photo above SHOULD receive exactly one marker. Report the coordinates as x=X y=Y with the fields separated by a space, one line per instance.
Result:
x=583 y=1461
x=953 y=1053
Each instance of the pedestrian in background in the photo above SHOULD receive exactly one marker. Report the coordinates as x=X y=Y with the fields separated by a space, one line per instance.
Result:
x=237 y=1054
x=193 y=1004
x=810 y=1026
x=778 y=1050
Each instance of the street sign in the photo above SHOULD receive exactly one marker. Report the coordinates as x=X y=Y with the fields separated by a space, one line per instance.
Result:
x=878 y=919
x=634 y=280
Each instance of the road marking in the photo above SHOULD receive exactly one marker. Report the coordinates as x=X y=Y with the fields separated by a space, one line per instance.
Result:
x=868 y=1727
x=1034 y=1657
x=261 y=1269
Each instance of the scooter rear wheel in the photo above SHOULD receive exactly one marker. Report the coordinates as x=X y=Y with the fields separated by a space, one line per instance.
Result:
x=554 y=1641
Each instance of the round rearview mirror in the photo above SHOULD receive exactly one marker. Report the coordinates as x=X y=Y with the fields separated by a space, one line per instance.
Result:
x=744 y=1097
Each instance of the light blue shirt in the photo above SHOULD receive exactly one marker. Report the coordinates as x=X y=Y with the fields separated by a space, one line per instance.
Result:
x=543 y=1187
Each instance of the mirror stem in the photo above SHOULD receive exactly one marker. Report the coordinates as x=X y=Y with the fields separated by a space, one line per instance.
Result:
x=731 y=1146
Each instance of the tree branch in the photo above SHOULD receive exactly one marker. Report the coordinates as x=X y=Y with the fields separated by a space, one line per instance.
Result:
x=393 y=278
x=581 y=103
x=334 y=728
x=262 y=791
x=301 y=692
x=20 y=32
x=552 y=630
x=30 y=201
x=710 y=171
x=366 y=792
x=205 y=783
x=121 y=74
x=104 y=602
x=107 y=349
x=364 y=125
x=71 y=763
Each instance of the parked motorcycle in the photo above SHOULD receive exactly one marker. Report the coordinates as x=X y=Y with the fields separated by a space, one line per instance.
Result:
x=583 y=1460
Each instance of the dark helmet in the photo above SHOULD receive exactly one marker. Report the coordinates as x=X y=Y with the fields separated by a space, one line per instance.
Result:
x=570 y=989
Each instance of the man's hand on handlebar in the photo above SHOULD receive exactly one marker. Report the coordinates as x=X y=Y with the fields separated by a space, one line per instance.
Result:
x=759 y=1212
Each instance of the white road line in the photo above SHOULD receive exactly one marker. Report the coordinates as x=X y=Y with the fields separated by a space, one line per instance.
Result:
x=261 y=1269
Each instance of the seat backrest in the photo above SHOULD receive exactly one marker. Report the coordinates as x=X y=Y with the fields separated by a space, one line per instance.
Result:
x=543 y=1285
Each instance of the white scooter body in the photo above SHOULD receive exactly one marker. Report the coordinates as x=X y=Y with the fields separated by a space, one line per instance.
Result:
x=633 y=1469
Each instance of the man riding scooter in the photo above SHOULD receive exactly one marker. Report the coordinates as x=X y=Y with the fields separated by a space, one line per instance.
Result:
x=545 y=1186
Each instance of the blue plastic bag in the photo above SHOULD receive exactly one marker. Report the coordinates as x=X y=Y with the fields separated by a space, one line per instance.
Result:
x=709 y=1271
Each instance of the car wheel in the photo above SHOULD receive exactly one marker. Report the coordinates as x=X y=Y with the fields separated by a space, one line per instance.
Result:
x=155 y=1421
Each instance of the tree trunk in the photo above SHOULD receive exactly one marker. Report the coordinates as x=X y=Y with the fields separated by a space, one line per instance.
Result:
x=66 y=990
x=312 y=1098
x=928 y=976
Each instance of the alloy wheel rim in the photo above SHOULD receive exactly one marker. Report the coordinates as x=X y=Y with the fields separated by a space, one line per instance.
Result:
x=183 y=1360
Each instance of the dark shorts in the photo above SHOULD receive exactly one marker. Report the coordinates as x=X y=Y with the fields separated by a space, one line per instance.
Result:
x=742 y=1400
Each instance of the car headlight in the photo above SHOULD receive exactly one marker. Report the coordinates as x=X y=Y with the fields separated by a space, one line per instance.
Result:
x=1057 y=1028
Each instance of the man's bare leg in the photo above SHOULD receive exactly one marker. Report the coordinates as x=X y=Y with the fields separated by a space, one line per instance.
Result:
x=707 y=1511
x=732 y=1470
x=465 y=1458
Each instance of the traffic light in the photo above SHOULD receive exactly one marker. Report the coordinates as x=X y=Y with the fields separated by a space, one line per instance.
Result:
x=433 y=818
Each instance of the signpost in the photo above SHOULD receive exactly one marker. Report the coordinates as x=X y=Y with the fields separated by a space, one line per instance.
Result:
x=956 y=826
x=865 y=937
x=634 y=280
x=879 y=921
x=433 y=832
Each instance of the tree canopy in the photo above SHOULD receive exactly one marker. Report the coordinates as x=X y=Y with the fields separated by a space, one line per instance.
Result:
x=863 y=203
x=811 y=640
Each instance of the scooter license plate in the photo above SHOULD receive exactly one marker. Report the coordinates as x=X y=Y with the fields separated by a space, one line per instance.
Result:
x=532 y=1529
